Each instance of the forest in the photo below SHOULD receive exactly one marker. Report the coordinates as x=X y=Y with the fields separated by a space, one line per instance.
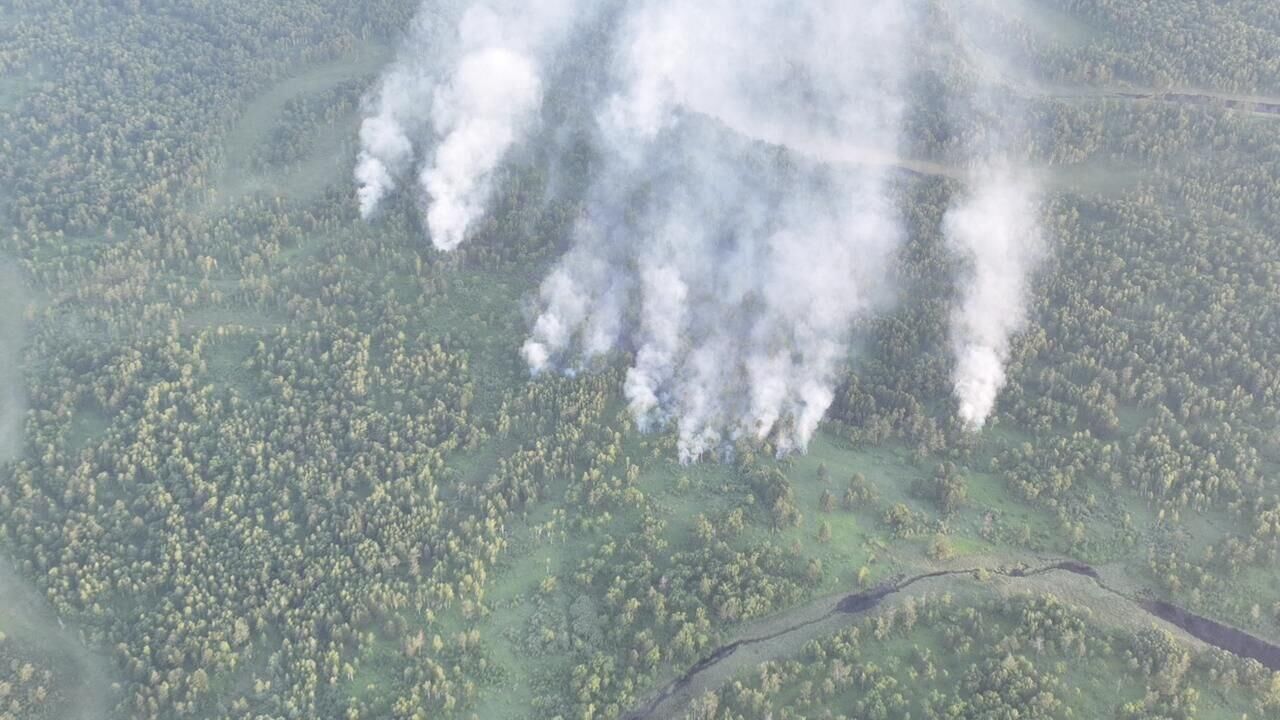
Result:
x=271 y=460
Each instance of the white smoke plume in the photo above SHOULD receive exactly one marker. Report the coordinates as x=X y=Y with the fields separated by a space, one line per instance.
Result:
x=739 y=222
x=993 y=225
x=995 y=230
x=12 y=393
x=748 y=276
x=470 y=96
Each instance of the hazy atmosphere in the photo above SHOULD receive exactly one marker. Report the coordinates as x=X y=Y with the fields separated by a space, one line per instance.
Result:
x=736 y=281
x=640 y=360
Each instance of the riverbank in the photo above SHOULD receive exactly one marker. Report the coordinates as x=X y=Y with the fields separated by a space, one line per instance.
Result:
x=1110 y=601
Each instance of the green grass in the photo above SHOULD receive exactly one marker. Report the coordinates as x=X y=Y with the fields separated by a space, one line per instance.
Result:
x=1133 y=418
x=84 y=248
x=87 y=425
x=1050 y=22
x=332 y=148
x=226 y=362
x=1100 y=685
x=539 y=547
x=231 y=316
x=887 y=468
x=682 y=492
x=1095 y=686
x=375 y=675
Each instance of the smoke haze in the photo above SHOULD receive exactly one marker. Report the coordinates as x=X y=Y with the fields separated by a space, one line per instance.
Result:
x=12 y=394
x=740 y=223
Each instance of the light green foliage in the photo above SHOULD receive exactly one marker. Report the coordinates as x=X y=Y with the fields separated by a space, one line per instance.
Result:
x=283 y=463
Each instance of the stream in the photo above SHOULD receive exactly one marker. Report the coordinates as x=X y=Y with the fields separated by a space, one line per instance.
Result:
x=1209 y=631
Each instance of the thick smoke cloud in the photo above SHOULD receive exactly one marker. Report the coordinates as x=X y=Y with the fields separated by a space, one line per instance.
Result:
x=12 y=394
x=740 y=220
x=994 y=229
x=749 y=275
x=993 y=226
x=471 y=108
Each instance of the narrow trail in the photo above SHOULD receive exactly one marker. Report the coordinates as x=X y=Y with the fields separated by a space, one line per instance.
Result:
x=1258 y=105
x=832 y=150
x=1209 y=631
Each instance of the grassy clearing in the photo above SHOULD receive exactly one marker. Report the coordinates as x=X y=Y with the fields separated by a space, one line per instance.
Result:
x=79 y=249
x=233 y=176
x=682 y=492
x=1094 y=686
x=374 y=679
x=527 y=598
x=237 y=318
x=1097 y=177
x=87 y=425
x=478 y=315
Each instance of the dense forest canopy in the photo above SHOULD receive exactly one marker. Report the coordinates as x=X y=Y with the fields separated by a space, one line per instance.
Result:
x=261 y=456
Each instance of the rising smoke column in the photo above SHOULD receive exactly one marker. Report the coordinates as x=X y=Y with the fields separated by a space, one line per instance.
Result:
x=995 y=231
x=398 y=111
x=993 y=225
x=470 y=102
x=746 y=276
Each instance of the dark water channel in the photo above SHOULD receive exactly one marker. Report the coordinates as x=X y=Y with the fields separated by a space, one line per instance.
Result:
x=1209 y=631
